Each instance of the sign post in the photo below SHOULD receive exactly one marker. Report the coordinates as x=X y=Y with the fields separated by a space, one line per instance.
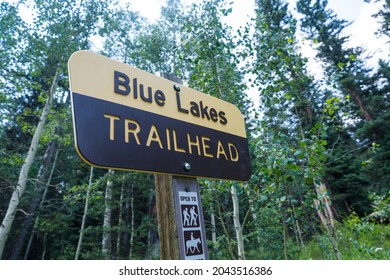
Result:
x=166 y=214
x=127 y=119
x=166 y=217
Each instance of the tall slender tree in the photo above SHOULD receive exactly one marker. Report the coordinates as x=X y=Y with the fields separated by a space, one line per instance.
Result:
x=295 y=120
x=366 y=115
x=208 y=56
x=58 y=30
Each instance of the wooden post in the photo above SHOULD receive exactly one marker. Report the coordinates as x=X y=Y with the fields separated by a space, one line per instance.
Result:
x=175 y=242
x=166 y=215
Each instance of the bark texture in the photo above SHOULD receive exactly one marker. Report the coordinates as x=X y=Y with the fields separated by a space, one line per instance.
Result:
x=237 y=224
x=166 y=216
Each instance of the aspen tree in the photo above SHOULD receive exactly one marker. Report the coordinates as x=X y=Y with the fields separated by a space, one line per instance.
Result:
x=23 y=175
x=106 y=239
x=86 y=205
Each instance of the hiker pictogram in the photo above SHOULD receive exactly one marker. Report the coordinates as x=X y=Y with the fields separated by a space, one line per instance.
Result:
x=190 y=215
x=186 y=217
x=193 y=216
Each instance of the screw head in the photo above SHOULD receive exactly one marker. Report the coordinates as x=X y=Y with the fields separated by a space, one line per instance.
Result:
x=187 y=166
x=176 y=87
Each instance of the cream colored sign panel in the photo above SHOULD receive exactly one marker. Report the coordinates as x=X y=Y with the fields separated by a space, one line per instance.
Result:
x=97 y=76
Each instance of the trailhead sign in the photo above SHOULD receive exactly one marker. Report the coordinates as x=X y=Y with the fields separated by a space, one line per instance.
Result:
x=125 y=118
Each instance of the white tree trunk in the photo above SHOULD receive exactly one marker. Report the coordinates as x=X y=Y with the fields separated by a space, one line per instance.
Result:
x=120 y=225
x=324 y=210
x=237 y=225
x=132 y=224
x=9 y=217
x=40 y=207
x=39 y=186
x=213 y=227
x=324 y=201
x=106 y=240
x=254 y=214
x=84 y=215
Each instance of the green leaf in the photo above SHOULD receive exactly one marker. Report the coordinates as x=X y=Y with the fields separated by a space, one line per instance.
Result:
x=263 y=198
x=297 y=153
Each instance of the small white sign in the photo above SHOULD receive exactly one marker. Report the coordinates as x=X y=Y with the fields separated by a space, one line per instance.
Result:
x=191 y=226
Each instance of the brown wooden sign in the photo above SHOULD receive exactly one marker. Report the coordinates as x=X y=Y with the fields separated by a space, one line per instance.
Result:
x=126 y=118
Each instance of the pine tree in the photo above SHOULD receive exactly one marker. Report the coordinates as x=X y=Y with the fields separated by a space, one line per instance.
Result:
x=296 y=125
x=367 y=117
x=384 y=16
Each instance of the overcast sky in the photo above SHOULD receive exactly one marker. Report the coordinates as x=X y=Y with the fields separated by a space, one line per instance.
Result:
x=361 y=31
x=345 y=8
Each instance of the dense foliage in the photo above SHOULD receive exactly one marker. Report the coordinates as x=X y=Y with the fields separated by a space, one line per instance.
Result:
x=320 y=145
